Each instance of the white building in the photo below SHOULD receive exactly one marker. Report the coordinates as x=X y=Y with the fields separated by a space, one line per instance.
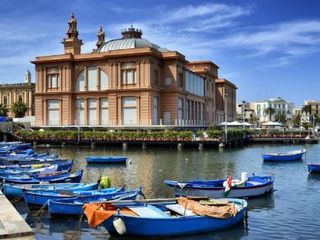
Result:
x=278 y=106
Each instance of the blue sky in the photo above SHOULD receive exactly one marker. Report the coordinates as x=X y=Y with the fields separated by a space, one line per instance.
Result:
x=268 y=48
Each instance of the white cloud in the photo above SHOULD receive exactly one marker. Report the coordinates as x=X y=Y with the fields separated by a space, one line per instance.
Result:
x=288 y=40
x=219 y=11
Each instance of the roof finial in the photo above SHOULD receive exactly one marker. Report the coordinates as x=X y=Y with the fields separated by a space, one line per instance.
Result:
x=101 y=38
x=131 y=32
x=72 y=31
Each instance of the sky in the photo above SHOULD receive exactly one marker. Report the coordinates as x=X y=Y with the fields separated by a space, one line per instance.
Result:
x=268 y=48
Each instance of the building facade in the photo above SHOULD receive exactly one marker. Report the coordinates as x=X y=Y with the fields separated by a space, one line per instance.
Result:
x=245 y=113
x=225 y=100
x=124 y=82
x=24 y=92
x=268 y=110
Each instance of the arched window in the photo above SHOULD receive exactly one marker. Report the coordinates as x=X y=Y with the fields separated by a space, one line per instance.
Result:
x=20 y=98
x=96 y=77
x=80 y=84
x=92 y=78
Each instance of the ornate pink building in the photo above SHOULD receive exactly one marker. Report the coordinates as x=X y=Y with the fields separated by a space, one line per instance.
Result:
x=127 y=81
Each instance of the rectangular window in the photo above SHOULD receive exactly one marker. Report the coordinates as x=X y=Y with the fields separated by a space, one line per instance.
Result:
x=129 y=76
x=80 y=111
x=128 y=73
x=104 y=81
x=129 y=111
x=180 y=110
x=5 y=101
x=156 y=77
x=104 y=111
x=195 y=84
x=167 y=81
x=53 y=112
x=92 y=111
x=155 y=104
x=180 y=80
x=53 y=78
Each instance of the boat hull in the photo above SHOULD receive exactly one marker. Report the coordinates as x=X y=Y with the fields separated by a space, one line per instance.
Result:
x=36 y=198
x=314 y=168
x=63 y=178
x=75 y=206
x=106 y=159
x=14 y=191
x=283 y=158
x=204 y=189
x=172 y=226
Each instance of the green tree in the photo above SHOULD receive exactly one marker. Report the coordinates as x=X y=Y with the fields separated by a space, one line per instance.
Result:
x=270 y=111
x=306 y=109
x=306 y=125
x=3 y=110
x=19 y=109
x=296 y=120
x=282 y=118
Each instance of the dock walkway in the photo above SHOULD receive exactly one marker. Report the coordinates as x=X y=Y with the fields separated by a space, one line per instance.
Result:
x=12 y=225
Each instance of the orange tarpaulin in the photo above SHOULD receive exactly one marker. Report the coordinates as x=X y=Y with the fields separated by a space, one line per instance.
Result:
x=218 y=211
x=97 y=213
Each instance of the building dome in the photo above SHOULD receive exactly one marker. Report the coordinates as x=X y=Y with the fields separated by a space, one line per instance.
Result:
x=131 y=38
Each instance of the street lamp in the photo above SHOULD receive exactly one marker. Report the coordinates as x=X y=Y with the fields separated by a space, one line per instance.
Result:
x=225 y=117
x=78 y=116
x=243 y=107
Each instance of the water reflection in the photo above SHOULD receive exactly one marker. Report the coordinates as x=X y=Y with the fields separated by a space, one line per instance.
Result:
x=314 y=176
x=265 y=202
x=274 y=216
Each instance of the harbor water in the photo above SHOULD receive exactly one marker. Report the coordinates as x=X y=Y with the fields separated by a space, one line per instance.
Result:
x=290 y=212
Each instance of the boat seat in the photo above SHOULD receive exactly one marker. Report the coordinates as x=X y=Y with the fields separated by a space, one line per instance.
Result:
x=253 y=183
x=148 y=211
x=180 y=210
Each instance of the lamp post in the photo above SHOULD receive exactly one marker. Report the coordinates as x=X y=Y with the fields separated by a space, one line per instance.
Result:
x=78 y=103
x=225 y=117
x=243 y=106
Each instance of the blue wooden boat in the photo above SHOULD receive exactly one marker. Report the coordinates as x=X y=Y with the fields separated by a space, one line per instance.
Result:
x=74 y=206
x=284 y=157
x=314 y=168
x=106 y=159
x=29 y=172
x=63 y=165
x=22 y=157
x=10 y=147
x=250 y=187
x=39 y=198
x=31 y=161
x=16 y=190
x=164 y=219
x=59 y=177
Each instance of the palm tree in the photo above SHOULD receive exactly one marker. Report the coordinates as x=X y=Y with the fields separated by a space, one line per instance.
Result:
x=19 y=109
x=270 y=111
x=282 y=118
x=3 y=110
x=296 y=120
x=307 y=110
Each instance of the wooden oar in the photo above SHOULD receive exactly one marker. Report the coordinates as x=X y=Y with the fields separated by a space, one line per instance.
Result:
x=152 y=200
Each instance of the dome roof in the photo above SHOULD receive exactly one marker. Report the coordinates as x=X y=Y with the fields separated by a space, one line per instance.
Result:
x=131 y=38
x=127 y=43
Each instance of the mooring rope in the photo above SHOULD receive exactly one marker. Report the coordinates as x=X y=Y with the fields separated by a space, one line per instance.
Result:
x=41 y=210
x=17 y=199
x=78 y=228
